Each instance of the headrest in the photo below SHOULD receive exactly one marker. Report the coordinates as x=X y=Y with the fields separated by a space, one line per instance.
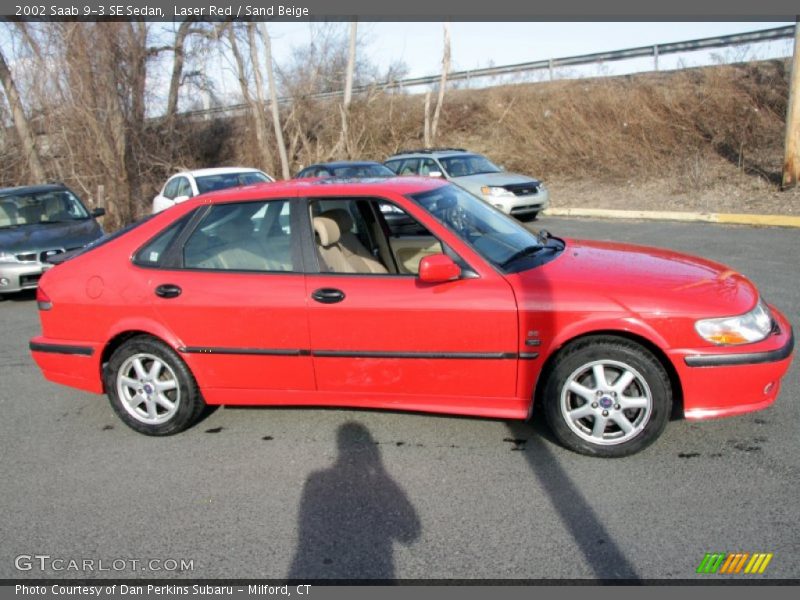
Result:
x=342 y=217
x=327 y=230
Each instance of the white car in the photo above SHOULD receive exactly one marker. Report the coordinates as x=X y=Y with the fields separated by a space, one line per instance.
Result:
x=188 y=184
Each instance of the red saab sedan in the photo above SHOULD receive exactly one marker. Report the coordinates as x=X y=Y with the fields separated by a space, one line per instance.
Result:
x=301 y=293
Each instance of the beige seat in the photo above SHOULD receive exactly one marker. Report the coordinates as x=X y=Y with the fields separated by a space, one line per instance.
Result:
x=354 y=251
x=330 y=251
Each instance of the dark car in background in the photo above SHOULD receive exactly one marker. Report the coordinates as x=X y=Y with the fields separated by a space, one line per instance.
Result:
x=346 y=169
x=37 y=223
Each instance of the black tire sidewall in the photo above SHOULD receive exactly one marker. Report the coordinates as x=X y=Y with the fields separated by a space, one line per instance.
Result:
x=640 y=358
x=191 y=403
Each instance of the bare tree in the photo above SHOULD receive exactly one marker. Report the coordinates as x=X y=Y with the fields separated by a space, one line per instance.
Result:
x=442 y=82
x=344 y=109
x=273 y=93
x=256 y=109
x=177 y=70
x=251 y=37
x=21 y=122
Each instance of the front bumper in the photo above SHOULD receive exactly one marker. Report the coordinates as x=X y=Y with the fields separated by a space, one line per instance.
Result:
x=735 y=381
x=521 y=205
x=15 y=277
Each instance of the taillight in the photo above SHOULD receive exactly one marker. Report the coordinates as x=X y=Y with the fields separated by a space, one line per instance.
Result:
x=43 y=300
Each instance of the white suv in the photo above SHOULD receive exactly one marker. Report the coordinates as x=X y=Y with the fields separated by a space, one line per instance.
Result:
x=517 y=195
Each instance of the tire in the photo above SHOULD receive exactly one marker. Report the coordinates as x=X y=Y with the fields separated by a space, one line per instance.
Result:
x=615 y=419
x=151 y=389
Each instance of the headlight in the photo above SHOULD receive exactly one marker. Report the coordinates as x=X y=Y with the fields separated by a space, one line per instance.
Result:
x=7 y=257
x=744 y=329
x=496 y=191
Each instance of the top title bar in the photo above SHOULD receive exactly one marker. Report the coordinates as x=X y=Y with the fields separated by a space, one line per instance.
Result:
x=408 y=10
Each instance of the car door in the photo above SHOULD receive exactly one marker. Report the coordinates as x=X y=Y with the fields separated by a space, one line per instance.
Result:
x=435 y=346
x=231 y=289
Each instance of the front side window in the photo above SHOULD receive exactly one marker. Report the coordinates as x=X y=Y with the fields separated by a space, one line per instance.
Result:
x=246 y=236
x=184 y=188
x=350 y=236
x=171 y=189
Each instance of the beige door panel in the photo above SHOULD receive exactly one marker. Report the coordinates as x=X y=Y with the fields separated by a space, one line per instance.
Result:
x=410 y=250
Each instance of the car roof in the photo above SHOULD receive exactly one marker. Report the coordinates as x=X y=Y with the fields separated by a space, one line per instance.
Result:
x=435 y=152
x=345 y=163
x=218 y=171
x=321 y=186
x=32 y=189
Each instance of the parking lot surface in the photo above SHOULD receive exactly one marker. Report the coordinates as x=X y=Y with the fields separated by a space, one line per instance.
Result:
x=306 y=493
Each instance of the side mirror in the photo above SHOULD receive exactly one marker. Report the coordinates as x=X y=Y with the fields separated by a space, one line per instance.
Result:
x=438 y=268
x=179 y=199
x=435 y=174
x=98 y=212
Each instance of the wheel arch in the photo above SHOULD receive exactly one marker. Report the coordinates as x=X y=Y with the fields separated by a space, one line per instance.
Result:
x=118 y=339
x=658 y=352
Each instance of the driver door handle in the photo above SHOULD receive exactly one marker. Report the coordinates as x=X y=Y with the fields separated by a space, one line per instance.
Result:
x=328 y=295
x=168 y=290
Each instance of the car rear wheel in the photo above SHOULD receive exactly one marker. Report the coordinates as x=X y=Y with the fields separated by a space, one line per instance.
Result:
x=607 y=397
x=151 y=389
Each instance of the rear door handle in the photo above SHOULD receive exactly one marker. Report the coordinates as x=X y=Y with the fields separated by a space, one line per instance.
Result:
x=168 y=290
x=328 y=295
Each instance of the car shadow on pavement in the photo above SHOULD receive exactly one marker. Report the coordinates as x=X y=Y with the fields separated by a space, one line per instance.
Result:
x=351 y=514
x=603 y=556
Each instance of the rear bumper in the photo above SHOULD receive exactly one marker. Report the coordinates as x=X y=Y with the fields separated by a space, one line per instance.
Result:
x=721 y=384
x=76 y=364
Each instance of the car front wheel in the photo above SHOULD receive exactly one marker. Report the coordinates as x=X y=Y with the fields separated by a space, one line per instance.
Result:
x=151 y=389
x=607 y=397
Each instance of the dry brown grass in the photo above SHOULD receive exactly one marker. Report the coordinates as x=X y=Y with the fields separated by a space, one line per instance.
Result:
x=688 y=133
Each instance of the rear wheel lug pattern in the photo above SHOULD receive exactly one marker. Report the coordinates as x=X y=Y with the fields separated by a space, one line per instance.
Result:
x=594 y=404
x=605 y=413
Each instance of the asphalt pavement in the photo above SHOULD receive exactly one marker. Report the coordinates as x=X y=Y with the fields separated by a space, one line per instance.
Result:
x=272 y=493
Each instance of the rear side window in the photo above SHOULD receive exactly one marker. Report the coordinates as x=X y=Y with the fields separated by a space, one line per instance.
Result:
x=247 y=236
x=152 y=253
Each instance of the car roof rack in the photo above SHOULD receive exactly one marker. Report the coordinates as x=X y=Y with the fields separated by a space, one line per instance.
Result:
x=429 y=151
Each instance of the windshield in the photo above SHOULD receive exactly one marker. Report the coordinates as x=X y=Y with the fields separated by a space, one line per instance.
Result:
x=468 y=164
x=212 y=183
x=52 y=206
x=493 y=235
x=375 y=170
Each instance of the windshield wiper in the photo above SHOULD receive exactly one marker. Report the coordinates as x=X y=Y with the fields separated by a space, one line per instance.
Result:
x=527 y=251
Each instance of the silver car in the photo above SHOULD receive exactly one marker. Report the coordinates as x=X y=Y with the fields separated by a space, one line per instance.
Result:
x=517 y=195
x=37 y=223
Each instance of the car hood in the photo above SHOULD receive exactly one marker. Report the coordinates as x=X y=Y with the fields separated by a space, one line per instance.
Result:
x=639 y=279
x=495 y=179
x=46 y=236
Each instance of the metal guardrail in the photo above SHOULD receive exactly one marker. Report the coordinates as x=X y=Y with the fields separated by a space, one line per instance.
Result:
x=654 y=51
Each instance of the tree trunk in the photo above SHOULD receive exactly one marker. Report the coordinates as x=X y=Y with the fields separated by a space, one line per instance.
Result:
x=266 y=155
x=273 y=93
x=255 y=109
x=442 y=82
x=426 y=130
x=177 y=71
x=21 y=123
x=344 y=137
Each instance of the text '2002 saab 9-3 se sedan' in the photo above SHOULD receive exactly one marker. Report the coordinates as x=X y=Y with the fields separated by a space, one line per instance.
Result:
x=300 y=293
